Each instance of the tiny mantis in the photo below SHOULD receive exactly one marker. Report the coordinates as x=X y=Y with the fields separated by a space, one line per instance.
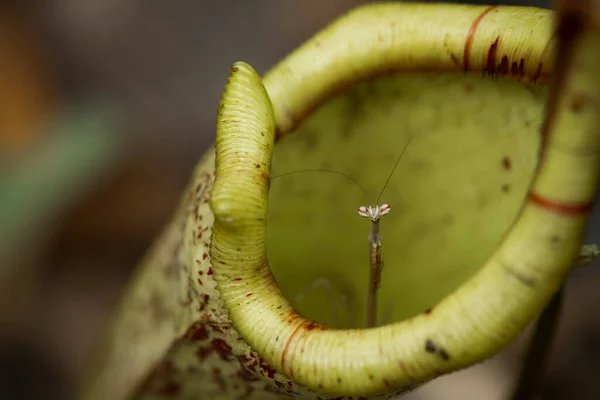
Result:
x=374 y=214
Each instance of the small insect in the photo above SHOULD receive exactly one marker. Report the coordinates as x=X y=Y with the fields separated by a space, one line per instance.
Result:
x=374 y=214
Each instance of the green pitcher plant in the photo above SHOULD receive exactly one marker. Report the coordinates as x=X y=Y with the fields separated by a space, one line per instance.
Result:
x=481 y=124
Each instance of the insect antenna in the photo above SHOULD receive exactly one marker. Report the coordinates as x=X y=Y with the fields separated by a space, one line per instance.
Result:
x=323 y=170
x=339 y=304
x=385 y=185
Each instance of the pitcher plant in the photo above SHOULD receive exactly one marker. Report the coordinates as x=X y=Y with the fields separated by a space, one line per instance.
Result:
x=477 y=127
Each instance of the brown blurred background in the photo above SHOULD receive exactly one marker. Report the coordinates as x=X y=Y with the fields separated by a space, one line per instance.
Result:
x=105 y=107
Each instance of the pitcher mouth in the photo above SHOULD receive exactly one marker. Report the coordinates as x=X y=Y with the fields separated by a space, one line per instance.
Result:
x=489 y=309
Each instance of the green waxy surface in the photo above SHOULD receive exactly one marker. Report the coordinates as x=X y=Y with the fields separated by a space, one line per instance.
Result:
x=456 y=190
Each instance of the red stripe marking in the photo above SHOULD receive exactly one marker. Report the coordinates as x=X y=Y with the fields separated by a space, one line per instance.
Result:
x=567 y=209
x=287 y=348
x=470 y=37
x=405 y=369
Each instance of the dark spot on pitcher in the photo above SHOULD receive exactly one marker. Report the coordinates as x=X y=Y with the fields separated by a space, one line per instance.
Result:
x=430 y=347
x=433 y=348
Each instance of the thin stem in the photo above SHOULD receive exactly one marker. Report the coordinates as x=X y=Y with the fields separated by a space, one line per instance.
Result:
x=533 y=368
x=375 y=267
x=532 y=373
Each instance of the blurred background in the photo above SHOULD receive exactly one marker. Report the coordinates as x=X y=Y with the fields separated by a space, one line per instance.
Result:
x=105 y=107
